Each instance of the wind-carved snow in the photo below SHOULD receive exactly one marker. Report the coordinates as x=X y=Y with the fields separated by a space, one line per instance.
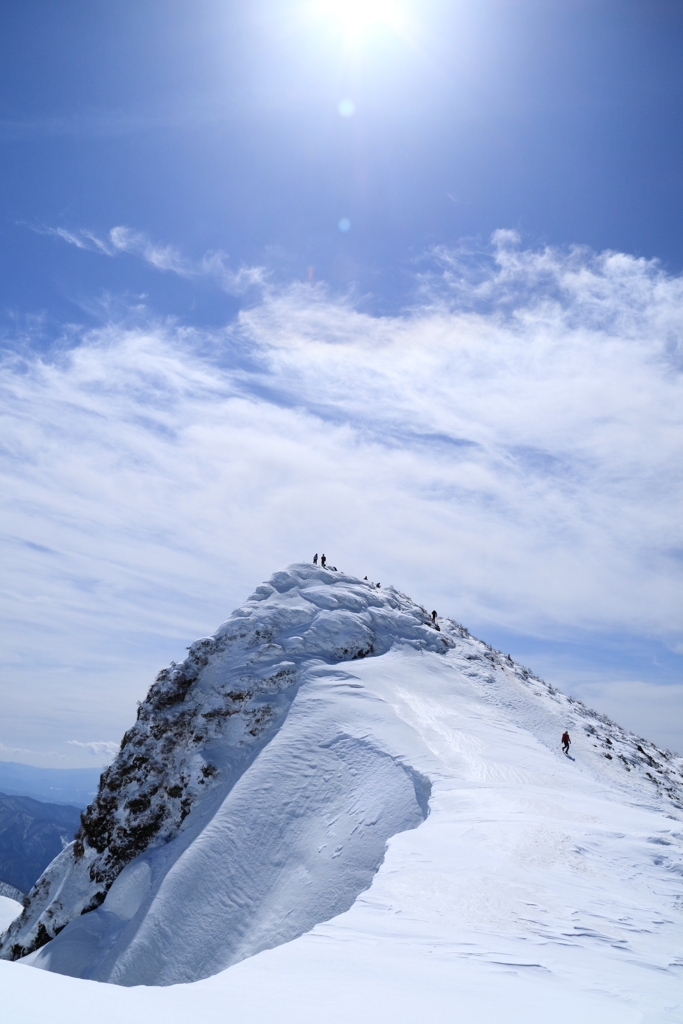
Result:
x=544 y=884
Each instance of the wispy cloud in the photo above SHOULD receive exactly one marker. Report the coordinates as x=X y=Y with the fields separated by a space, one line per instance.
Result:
x=82 y=239
x=98 y=748
x=509 y=451
x=214 y=264
x=162 y=257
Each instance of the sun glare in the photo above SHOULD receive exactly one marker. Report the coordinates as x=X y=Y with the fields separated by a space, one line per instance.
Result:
x=356 y=16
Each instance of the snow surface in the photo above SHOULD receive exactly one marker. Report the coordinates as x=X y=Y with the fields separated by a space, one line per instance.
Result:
x=9 y=909
x=538 y=886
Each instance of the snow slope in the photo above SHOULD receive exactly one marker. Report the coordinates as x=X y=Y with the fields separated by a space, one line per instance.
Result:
x=537 y=884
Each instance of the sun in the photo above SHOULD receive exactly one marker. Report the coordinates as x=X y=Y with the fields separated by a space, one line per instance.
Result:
x=356 y=16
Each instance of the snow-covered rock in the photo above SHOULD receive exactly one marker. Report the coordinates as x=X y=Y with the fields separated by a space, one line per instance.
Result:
x=254 y=798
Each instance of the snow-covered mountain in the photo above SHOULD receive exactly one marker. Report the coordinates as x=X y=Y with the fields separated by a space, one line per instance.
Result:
x=32 y=833
x=256 y=796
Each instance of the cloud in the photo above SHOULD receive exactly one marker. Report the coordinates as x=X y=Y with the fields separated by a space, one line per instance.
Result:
x=82 y=239
x=162 y=257
x=213 y=265
x=98 y=748
x=236 y=282
x=508 y=451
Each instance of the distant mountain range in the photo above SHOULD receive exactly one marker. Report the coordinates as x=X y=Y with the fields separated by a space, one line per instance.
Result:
x=32 y=833
x=76 y=786
x=39 y=814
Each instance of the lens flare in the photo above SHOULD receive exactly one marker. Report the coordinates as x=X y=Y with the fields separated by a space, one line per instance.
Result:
x=346 y=108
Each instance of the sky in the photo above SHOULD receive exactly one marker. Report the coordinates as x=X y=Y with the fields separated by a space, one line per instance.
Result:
x=397 y=282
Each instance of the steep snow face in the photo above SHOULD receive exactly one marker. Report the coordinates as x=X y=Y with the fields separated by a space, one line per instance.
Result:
x=327 y=709
x=202 y=753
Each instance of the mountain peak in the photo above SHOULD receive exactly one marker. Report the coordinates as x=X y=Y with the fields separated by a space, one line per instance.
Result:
x=257 y=790
x=204 y=721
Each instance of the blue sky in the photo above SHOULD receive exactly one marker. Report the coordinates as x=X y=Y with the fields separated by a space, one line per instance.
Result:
x=215 y=126
x=473 y=392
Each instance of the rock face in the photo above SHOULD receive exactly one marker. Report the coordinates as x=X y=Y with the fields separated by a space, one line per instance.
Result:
x=255 y=794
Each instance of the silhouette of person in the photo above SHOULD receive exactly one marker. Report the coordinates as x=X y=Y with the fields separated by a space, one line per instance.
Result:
x=565 y=741
x=433 y=616
x=315 y=558
x=323 y=560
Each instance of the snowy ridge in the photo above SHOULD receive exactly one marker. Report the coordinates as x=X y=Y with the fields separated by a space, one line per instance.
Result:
x=12 y=893
x=204 y=722
x=255 y=795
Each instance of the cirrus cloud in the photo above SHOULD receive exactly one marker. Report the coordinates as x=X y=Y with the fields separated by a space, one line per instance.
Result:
x=121 y=239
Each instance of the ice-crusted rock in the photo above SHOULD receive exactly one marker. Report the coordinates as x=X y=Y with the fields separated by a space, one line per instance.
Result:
x=223 y=703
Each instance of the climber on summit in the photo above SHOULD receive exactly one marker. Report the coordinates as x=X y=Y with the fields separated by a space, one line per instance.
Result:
x=433 y=616
x=565 y=742
x=315 y=558
x=323 y=560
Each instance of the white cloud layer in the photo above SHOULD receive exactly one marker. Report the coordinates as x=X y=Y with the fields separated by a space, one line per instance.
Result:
x=508 y=451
